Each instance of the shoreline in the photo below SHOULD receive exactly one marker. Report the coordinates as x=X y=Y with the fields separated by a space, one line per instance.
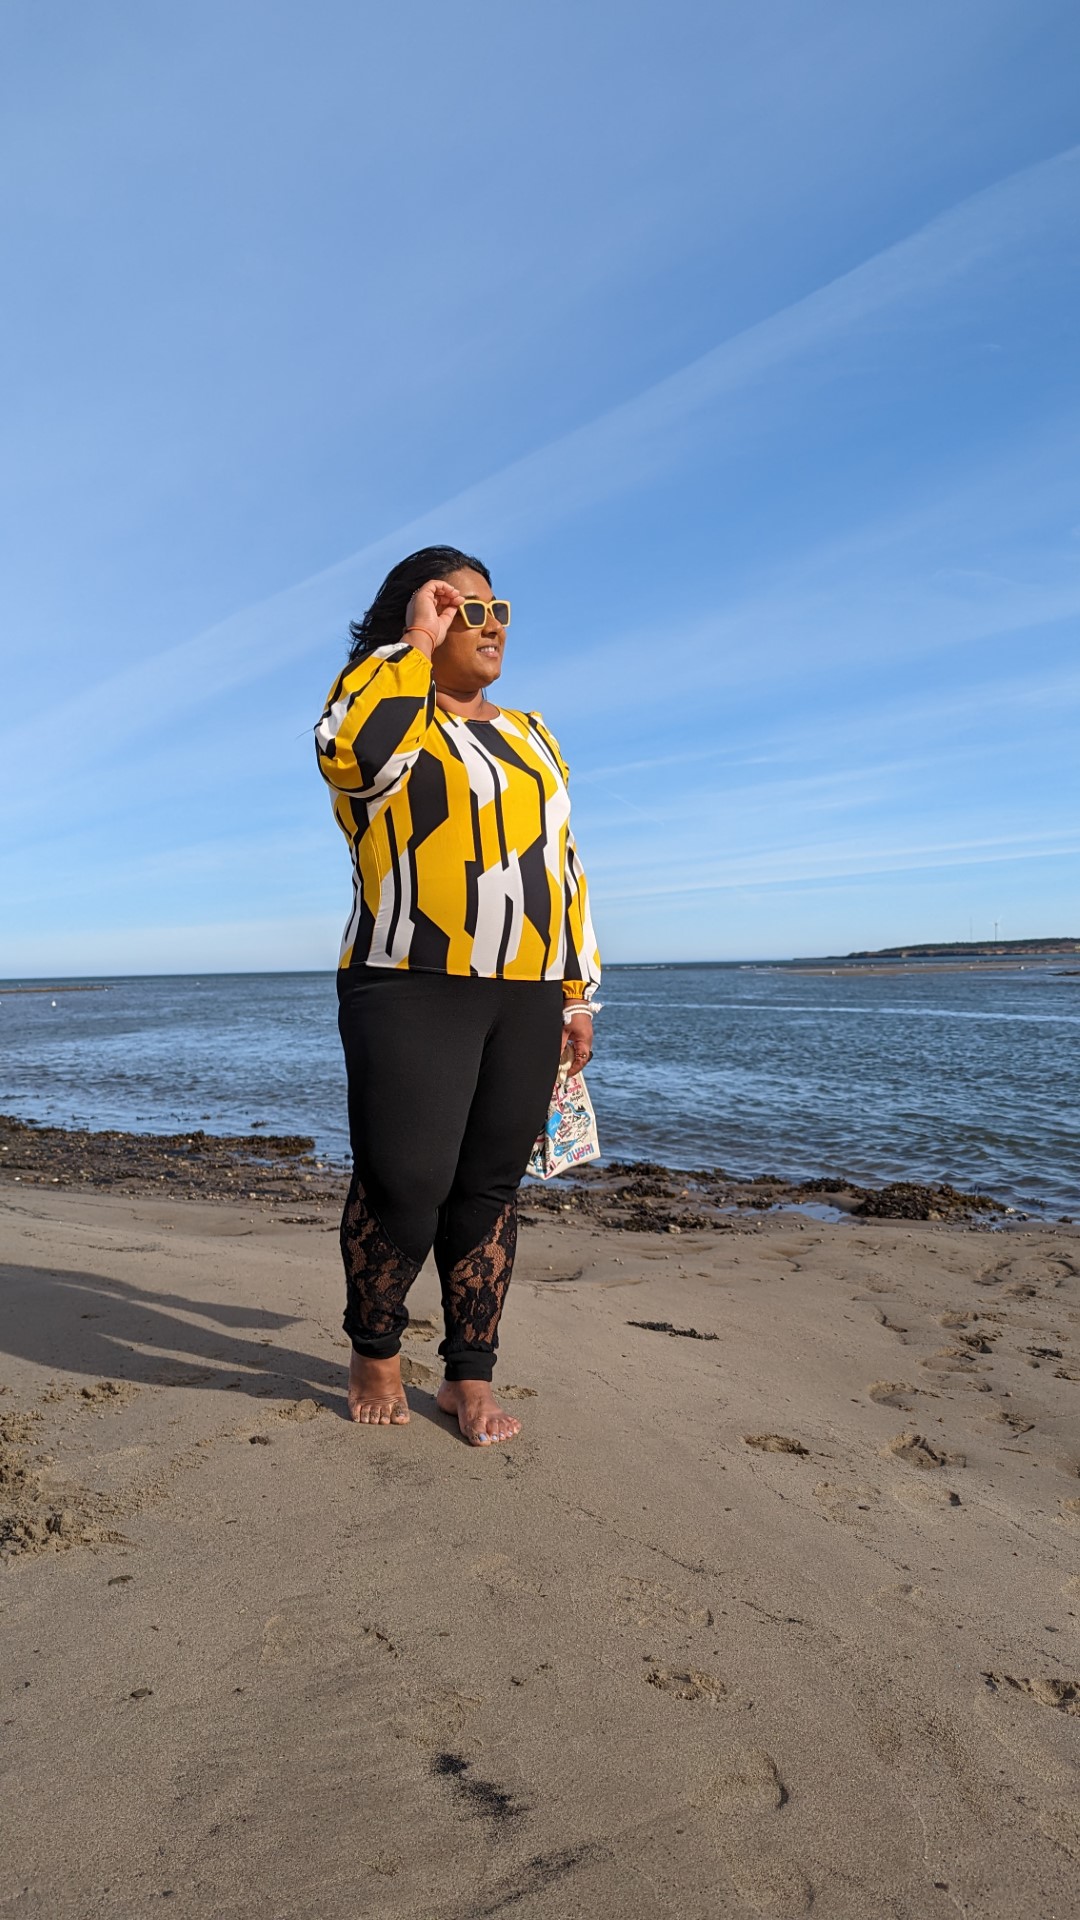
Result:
x=92 y=986
x=284 y=1171
x=1042 y=966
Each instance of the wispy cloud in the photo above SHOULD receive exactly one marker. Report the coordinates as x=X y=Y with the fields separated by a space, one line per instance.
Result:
x=625 y=448
x=937 y=719
x=797 y=865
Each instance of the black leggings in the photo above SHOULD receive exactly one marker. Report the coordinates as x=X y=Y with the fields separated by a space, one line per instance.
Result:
x=449 y=1083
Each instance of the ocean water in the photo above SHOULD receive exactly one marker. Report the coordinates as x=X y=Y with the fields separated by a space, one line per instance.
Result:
x=970 y=1077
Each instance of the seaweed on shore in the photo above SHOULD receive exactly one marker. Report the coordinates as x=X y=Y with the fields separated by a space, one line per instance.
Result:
x=281 y=1170
x=642 y=1197
x=903 y=1200
x=196 y=1165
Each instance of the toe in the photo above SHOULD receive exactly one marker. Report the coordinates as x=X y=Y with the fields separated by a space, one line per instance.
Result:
x=399 y=1414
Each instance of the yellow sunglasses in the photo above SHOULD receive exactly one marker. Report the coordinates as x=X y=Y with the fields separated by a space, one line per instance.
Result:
x=475 y=612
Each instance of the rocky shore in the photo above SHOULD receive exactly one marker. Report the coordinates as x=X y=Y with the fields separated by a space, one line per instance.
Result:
x=283 y=1172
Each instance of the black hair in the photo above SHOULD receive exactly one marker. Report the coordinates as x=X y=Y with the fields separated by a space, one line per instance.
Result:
x=384 y=620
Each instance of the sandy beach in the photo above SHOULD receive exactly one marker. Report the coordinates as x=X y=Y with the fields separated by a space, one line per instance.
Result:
x=773 y=1607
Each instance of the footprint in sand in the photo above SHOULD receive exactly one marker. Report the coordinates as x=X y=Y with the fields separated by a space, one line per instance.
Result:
x=848 y=1505
x=923 y=1495
x=1015 y=1422
x=644 y=1603
x=308 y=1630
x=956 y=1359
x=1032 y=1718
x=749 y=1787
x=684 y=1683
x=918 y=1452
x=420 y=1330
x=979 y=1341
x=1004 y=1271
x=892 y=1393
x=415 y=1374
x=504 y=1575
x=750 y=1778
x=891 y=1326
x=1021 y=1276
x=1063 y=1695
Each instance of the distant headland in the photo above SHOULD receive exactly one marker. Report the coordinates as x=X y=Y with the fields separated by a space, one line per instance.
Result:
x=971 y=949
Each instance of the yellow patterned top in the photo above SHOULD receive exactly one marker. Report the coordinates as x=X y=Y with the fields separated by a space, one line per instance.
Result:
x=463 y=859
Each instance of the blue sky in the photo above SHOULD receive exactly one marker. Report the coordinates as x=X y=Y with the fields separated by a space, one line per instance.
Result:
x=739 y=339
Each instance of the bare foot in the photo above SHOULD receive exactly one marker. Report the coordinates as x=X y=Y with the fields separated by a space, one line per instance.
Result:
x=376 y=1395
x=478 y=1413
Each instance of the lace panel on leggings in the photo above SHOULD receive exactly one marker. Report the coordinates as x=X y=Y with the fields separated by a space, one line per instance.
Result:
x=377 y=1273
x=475 y=1287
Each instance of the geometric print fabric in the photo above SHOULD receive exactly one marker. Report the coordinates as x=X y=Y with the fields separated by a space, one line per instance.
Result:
x=459 y=830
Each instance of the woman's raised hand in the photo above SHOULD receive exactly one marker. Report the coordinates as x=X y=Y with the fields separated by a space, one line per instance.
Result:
x=430 y=612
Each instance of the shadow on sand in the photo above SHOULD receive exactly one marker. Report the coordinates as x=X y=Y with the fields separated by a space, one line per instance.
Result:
x=49 y=1316
x=86 y=1323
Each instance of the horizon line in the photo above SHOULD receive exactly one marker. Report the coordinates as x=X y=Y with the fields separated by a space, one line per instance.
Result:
x=999 y=944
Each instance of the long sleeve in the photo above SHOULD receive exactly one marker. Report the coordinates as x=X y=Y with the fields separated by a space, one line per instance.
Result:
x=581 y=965
x=375 y=721
x=581 y=972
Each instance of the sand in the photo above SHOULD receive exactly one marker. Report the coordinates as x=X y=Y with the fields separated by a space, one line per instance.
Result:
x=777 y=1622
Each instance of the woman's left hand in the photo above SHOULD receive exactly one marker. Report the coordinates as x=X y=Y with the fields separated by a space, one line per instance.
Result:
x=578 y=1040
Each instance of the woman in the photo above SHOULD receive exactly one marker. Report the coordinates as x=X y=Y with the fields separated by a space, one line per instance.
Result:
x=468 y=961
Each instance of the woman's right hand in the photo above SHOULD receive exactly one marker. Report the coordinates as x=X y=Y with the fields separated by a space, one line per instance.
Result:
x=429 y=613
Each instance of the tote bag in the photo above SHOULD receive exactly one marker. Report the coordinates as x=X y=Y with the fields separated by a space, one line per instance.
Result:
x=568 y=1137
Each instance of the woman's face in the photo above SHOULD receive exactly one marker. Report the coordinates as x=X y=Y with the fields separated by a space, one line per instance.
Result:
x=470 y=658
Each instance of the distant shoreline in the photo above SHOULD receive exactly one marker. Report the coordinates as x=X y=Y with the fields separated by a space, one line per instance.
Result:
x=1047 y=948
x=1012 y=956
x=73 y=986
x=987 y=965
